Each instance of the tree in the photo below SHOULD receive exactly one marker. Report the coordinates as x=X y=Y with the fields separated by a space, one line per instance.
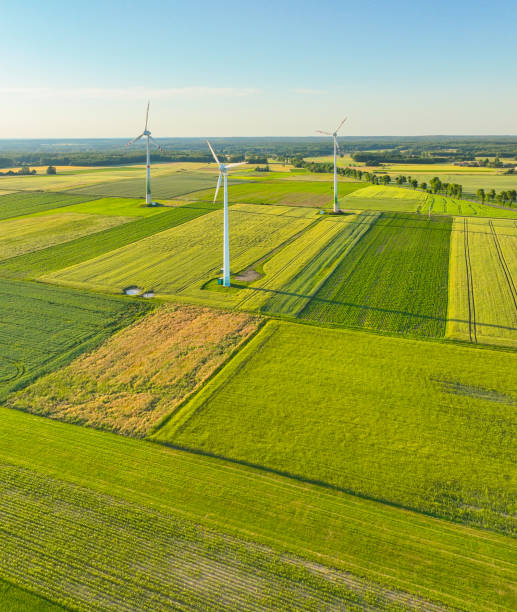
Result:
x=491 y=194
x=414 y=183
x=436 y=184
x=386 y=179
x=423 y=186
x=481 y=195
x=512 y=195
x=51 y=170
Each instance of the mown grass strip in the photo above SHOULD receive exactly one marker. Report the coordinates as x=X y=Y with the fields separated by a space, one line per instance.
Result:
x=440 y=561
x=76 y=251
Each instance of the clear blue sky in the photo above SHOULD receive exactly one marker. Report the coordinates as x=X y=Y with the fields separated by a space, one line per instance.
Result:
x=86 y=69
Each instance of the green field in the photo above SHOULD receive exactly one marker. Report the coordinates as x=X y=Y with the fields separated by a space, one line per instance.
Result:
x=43 y=327
x=26 y=234
x=73 y=252
x=293 y=193
x=163 y=187
x=399 y=199
x=385 y=418
x=483 y=294
x=294 y=274
x=18 y=204
x=182 y=259
x=114 y=207
x=395 y=279
x=19 y=600
x=221 y=528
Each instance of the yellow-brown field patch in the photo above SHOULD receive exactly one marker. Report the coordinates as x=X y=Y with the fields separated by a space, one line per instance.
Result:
x=141 y=373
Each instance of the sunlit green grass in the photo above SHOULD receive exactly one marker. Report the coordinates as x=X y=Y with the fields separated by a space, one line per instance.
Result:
x=418 y=424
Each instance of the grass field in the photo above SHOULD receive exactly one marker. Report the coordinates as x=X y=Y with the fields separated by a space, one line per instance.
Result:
x=141 y=373
x=163 y=187
x=73 y=252
x=44 y=327
x=214 y=523
x=483 y=294
x=181 y=260
x=386 y=418
x=18 y=204
x=113 y=207
x=293 y=193
x=27 y=234
x=395 y=279
x=16 y=599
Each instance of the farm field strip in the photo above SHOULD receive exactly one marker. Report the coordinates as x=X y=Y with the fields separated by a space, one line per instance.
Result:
x=67 y=254
x=26 y=234
x=283 y=265
x=483 y=273
x=434 y=559
x=168 y=186
x=19 y=204
x=295 y=292
x=113 y=207
x=178 y=563
x=141 y=373
x=394 y=279
x=431 y=436
x=181 y=260
x=301 y=193
x=21 y=600
x=43 y=327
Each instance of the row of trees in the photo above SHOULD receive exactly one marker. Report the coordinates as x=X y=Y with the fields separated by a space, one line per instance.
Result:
x=503 y=197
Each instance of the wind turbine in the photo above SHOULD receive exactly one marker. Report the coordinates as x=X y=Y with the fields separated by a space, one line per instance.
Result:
x=223 y=175
x=147 y=133
x=336 y=149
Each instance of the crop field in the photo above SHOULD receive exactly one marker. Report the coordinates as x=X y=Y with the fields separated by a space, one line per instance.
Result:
x=163 y=187
x=392 y=199
x=395 y=279
x=44 y=326
x=18 y=204
x=483 y=277
x=33 y=265
x=181 y=260
x=141 y=373
x=294 y=274
x=27 y=234
x=293 y=193
x=386 y=418
x=154 y=509
x=113 y=207
x=465 y=208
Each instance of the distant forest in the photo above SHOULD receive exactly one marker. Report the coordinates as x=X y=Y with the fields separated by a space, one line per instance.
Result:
x=108 y=152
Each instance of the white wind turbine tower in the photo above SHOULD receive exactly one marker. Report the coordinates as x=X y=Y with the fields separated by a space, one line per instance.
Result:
x=147 y=133
x=336 y=149
x=223 y=174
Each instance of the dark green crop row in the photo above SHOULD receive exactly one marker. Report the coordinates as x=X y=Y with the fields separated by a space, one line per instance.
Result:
x=17 y=204
x=395 y=279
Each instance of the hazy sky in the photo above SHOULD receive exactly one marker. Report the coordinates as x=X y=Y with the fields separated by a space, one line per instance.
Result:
x=284 y=68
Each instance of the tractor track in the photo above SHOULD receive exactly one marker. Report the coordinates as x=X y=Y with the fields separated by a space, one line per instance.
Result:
x=470 y=285
x=504 y=265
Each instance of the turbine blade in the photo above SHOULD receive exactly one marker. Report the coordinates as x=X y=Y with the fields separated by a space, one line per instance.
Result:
x=147 y=115
x=218 y=185
x=341 y=123
x=236 y=164
x=155 y=144
x=134 y=140
x=326 y=133
x=213 y=152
